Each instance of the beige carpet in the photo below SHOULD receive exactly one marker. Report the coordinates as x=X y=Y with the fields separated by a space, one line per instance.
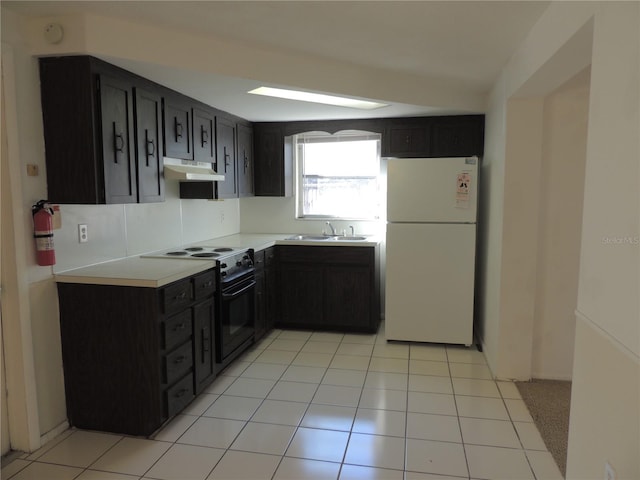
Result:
x=548 y=402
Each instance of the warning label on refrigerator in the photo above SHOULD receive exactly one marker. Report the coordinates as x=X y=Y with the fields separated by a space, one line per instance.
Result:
x=463 y=190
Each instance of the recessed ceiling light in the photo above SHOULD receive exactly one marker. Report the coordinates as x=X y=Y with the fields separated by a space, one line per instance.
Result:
x=317 y=98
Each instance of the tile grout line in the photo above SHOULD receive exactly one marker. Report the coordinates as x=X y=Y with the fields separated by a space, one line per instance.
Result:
x=455 y=402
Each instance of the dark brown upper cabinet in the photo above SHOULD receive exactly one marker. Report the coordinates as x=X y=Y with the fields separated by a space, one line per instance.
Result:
x=457 y=136
x=273 y=170
x=119 y=165
x=245 y=160
x=89 y=117
x=406 y=139
x=204 y=146
x=148 y=120
x=445 y=136
x=177 y=127
x=226 y=157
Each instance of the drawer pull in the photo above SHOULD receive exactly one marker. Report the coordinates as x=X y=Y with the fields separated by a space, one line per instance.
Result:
x=179 y=327
x=181 y=393
x=179 y=360
x=180 y=296
x=208 y=284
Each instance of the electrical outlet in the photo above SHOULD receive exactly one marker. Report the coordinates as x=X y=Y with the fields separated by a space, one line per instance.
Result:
x=83 y=233
x=609 y=472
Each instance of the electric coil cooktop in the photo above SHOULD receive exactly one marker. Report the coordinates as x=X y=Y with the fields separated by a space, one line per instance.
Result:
x=195 y=253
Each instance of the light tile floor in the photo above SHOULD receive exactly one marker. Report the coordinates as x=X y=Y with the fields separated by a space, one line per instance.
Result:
x=317 y=405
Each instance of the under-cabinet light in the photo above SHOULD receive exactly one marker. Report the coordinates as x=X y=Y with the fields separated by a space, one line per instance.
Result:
x=317 y=98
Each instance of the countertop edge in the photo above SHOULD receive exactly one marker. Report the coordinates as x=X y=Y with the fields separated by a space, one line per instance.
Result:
x=131 y=273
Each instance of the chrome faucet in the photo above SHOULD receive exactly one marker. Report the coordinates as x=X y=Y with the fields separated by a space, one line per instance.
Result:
x=333 y=230
x=353 y=231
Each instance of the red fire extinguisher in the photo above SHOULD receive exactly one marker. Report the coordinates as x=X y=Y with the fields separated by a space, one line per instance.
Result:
x=43 y=233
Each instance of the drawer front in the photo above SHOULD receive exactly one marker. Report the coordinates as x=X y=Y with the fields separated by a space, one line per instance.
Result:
x=204 y=285
x=259 y=259
x=176 y=329
x=178 y=396
x=178 y=296
x=178 y=362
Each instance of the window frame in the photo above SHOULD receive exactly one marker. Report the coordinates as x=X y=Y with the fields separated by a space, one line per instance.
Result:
x=326 y=137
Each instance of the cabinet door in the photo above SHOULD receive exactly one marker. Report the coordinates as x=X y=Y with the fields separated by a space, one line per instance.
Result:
x=203 y=136
x=116 y=106
x=260 y=319
x=270 y=167
x=149 y=146
x=407 y=141
x=348 y=292
x=458 y=136
x=226 y=157
x=245 y=160
x=204 y=344
x=301 y=294
x=177 y=129
x=270 y=288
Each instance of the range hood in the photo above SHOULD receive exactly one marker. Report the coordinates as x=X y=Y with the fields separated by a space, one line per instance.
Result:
x=187 y=170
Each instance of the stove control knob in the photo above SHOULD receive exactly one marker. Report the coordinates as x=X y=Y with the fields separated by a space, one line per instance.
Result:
x=238 y=263
x=223 y=265
x=223 y=274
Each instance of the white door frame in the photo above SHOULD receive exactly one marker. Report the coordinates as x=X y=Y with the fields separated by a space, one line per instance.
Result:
x=24 y=428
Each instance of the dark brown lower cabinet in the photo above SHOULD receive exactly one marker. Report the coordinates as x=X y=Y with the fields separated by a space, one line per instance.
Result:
x=329 y=288
x=134 y=357
x=264 y=261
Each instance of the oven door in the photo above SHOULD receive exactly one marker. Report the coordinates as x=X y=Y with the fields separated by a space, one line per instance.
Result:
x=236 y=315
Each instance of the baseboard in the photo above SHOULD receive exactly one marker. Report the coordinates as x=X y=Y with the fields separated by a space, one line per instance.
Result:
x=51 y=434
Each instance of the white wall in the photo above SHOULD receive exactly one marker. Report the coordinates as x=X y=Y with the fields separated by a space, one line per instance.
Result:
x=277 y=215
x=605 y=396
x=556 y=49
x=606 y=389
x=565 y=118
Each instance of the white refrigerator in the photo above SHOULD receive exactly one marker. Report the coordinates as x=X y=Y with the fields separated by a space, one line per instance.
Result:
x=430 y=249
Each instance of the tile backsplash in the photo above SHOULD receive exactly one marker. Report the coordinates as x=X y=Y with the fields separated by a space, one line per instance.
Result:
x=119 y=231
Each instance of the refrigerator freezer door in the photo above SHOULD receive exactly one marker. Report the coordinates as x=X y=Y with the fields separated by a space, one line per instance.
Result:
x=432 y=190
x=430 y=282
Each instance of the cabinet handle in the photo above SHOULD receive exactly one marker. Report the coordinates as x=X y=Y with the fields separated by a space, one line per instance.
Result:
x=178 y=129
x=179 y=360
x=206 y=342
x=180 y=393
x=150 y=147
x=204 y=136
x=118 y=141
x=246 y=162
x=177 y=328
x=226 y=156
x=207 y=284
x=180 y=296
x=407 y=139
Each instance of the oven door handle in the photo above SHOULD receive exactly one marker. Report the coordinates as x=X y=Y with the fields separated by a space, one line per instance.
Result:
x=229 y=296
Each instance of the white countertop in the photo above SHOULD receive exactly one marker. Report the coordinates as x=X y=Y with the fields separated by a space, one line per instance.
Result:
x=135 y=272
x=157 y=272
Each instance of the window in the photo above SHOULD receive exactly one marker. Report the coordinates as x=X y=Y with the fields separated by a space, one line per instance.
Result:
x=338 y=175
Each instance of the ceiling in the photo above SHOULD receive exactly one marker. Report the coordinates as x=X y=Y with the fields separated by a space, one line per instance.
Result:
x=463 y=42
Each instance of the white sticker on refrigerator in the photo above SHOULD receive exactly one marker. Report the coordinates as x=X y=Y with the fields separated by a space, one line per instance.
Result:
x=463 y=187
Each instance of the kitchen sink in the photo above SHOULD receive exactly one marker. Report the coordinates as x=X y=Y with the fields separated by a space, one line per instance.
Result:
x=308 y=237
x=326 y=237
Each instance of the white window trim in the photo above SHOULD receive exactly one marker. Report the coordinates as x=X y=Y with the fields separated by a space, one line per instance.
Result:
x=322 y=137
